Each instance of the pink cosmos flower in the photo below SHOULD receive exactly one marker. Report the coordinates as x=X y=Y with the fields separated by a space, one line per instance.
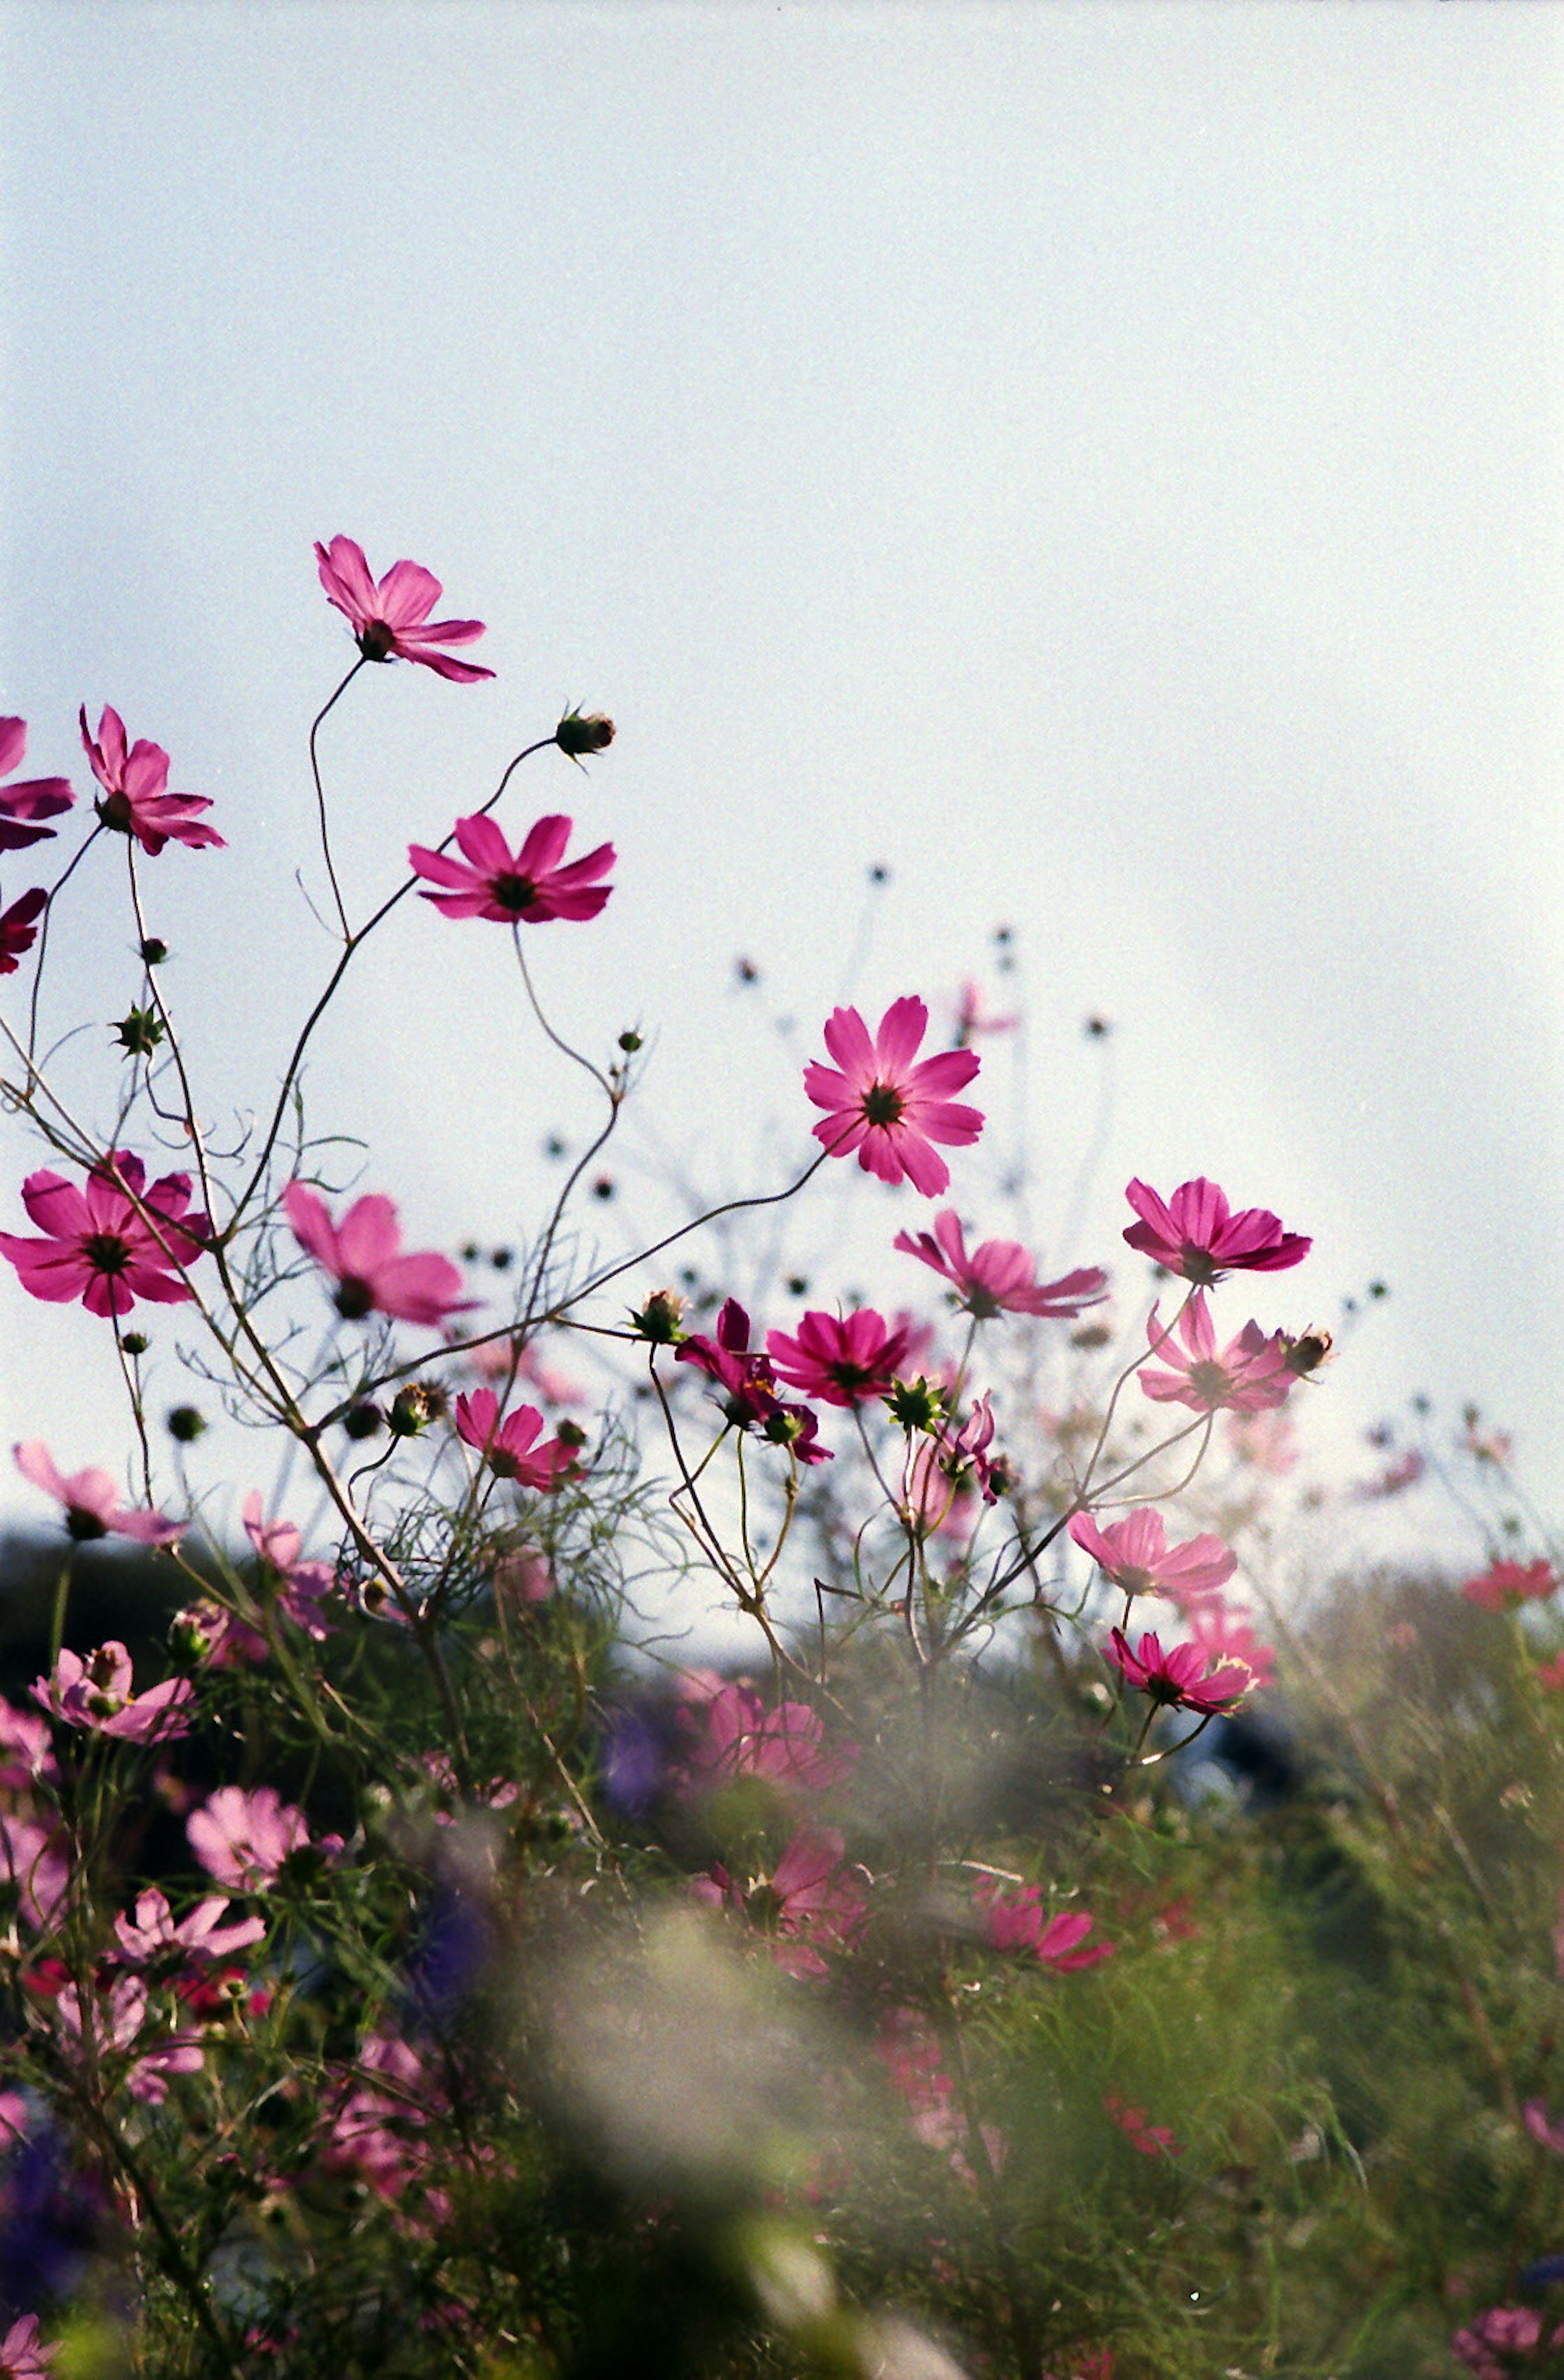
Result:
x=972 y=1017
x=1225 y=1636
x=1012 y=1919
x=21 y=2356
x=363 y=1254
x=1135 y=1555
x=389 y=617
x=300 y=1587
x=91 y=1502
x=153 y=1937
x=885 y=1105
x=998 y=1277
x=526 y=887
x=1490 y=2345
x=808 y=1901
x=100 y=1247
x=1504 y=1585
x=1542 y=2127
x=245 y=1840
x=116 y=2020
x=1264 y=1441
x=26 y=1757
x=1405 y=1472
x=1181 y=1678
x=843 y=1360
x=24 y=807
x=748 y=1385
x=19 y=929
x=784 y=1744
x=1152 y=2140
x=95 y=1694
x=952 y=1464
x=38 y=1862
x=1251 y=1373
x=134 y=799
x=1195 y=1233
x=507 y=1446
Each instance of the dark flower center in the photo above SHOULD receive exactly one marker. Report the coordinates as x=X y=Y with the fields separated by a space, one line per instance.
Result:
x=83 y=1526
x=1211 y=1380
x=354 y=1299
x=1195 y=1264
x=106 y=1252
x=375 y=642
x=514 y=892
x=883 y=1104
x=113 y=810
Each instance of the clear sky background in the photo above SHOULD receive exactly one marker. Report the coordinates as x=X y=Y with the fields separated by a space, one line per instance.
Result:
x=1101 y=464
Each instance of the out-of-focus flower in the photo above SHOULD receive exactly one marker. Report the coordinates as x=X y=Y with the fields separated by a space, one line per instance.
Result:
x=1403 y=1472
x=300 y=1587
x=246 y=1840
x=810 y=1900
x=1194 y=1233
x=95 y=1694
x=37 y=1862
x=25 y=1755
x=527 y=887
x=951 y=1463
x=1152 y=2140
x=99 y=1246
x=135 y=799
x=739 y=1736
x=508 y=1446
x=1249 y=1375
x=1135 y=1555
x=1225 y=1637
x=999 y=1276
x=363 y=1254
x=152 y=1937
x=390 y=616
x=844 y=1360
x=1180 y=1677
x=91 y=1502
x=1012 y=1919
x=19 y=929
x=1505 y=1584
x=25 y=806
x=1266 y=1441
x=1542 y=2127
x=22 y=2357
x=972 y=1017
x=884 y=1102
x=117 y=2020
x=1489 y=2343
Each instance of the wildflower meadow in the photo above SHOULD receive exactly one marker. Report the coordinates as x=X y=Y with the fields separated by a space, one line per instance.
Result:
x=1046 y=1941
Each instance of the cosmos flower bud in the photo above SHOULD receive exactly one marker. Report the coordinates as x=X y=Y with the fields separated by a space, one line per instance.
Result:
x=185 y=1422
x=578 y=732
x=916 y=1404
x=414 y=1406
x=660 y=1318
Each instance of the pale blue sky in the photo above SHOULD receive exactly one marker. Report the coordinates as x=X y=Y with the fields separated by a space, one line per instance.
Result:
x=1102 y=463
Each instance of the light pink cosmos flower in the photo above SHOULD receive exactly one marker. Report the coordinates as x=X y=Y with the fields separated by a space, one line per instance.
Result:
x=1182 y=1677
x=300 y=1587
x=949 y=1464
x=244 y=1840
x=116 y=2020
x=91 y=1502
x=100 y=1247
x=527 y=887
x=843 y=1360
x=363 y=1254
x=1012 y=1919
x=38 y=1862
x=808 y=1902
x=95 y=1694
x=508 y=1446
x=890 y=1109
x=1249 y=1375
x=1490 y=2345
x=1504 y=1585
x=1135 y=1555
x=998 y=1276
x=19 y=929
x=24 y=807
x=1224 y=1635
x=153 y=1937
x=1264 y=1441
x=1541 y=2126
x=389 y=617
x=972 y=1017
x=1195 y=1233
x=135 y=799
x=25 y=1755
x=21 y=2356
x=785 y=1745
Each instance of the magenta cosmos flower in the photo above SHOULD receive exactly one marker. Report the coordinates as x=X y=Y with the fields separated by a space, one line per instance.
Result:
x=810 y=1901
x=18 y=928
x=748 y=1385
x=1250 y=1374
x=891 y=1109
x=111 y=1242
x=1505 y=1584
x=135 y=799
x=1011 y=1917
x=784 y=1744
x=844 y=1361
x=91 y=1502
x=1181 y=1676
x=527 y=887
x=390 y=616
x=363 y=1254
x=508 y=1447
x=1194 y=1233
x=998 y=1276
x=95 y=1694
x=24 y=807
x=1135 y=1555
